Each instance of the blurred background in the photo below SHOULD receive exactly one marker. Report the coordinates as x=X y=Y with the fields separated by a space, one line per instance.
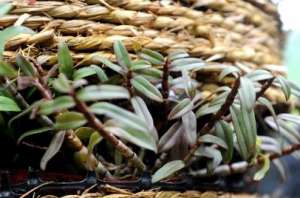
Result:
x=272 y=186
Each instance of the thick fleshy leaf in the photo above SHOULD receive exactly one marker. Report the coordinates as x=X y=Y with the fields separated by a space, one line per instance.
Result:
x=83 y=73
x=259 y=75
x=110 y=65
x=100 y=73
x=265 y=166
x=224 y=131
x=151 y=73
x=141 y=109
x=213 y=140
x=145 y=87
x=65 y=61
x=211 y=153
x=290 y=117
x=178 y=54
x=122 y=55
x=135 y=136
x=152 y=56
x=140 y=65
x=227 y=71
x=187 y=64
x=169 y=139
x=181 y=108
x=53 y=148
x=69 y=120
x=11 y=32
x=95 y=139
x=61 y=84
x=207 y=109
x=7 y=70
x=33 y=132
x=5 y=8
x=103 y=92
x=58 y=104
x=189 y=122
x=285 y=86
x=26 y=67
x=167 y=170
x=126 y=117
x=247 y=93
x=84 y=133
x=7 y=104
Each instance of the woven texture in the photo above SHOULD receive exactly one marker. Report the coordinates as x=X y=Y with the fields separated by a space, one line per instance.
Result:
x=240 y=32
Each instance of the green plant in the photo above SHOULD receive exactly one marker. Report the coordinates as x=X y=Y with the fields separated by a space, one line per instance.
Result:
x=150 y=105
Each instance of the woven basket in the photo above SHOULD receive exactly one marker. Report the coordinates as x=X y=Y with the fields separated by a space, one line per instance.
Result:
x=245 y=33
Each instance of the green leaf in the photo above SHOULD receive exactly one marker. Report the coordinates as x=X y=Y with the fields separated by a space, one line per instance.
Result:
x=207 y=109
x=84 y=133
x=53 y=148
x=141 y=109
x=178 y=54
x=265 y=166
x=146 y=88
x=83 y=73
x=103 y=92
x=290 y=117
x=69 y=120
x=135 y=136
x=7 y=70
x=152 y=56
x=11 y=32
x=224 y=131
x=100 y=73
x=21 y=114
x=109 y=64
x=58 y=104
x=189 y=123
x=123 y=116
x=25 y=66
x=5 y=8
x=65 y=60
x=211 y=153
x=187 y=64
x=259 y=75
x=140 y=65
x=167 y=170
x=61 y=84
x=227 y=71
x=285 y=86
x=247 y=93
x=151 y=73
x=169 y=139
x=7 y=104
x=95 y=139
x=33 y=132
x=181 y=108
x=268 y=104
x=213 y=140
x=122 y=55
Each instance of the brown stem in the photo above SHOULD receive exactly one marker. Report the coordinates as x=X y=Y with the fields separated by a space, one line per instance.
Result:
x=128 y=83
x=222 y=111
x=46 y=93
x=95 y=123
x=265 y=87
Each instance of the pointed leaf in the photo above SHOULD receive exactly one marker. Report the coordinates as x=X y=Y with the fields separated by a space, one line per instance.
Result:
x=224 y=131
x=247 y=93
x=58 y=104
x=187 y=64
x=212 y=153
x=181 y=108
x=259 y=75
x=102 y=92
x=146 y=88
x=285 y=86
x=140 y=65
x=213 y=139
x=126 y=117
x=7 y=104
x=7 y=70
x=33 y=132
x=141 y=109
x=227 y=71
x=53 y=148
x=26 y=67
x=100 y=73
x=169 y=139
x=122 y=55
x=95 y=139
x=167 y=170
x=189 y=122
x=152 y=56
x=65 y=61
x=69 y=120
x=178 y=54
x=61 y=84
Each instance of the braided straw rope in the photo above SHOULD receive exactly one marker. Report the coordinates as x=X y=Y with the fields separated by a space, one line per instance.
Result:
x=236 y=31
